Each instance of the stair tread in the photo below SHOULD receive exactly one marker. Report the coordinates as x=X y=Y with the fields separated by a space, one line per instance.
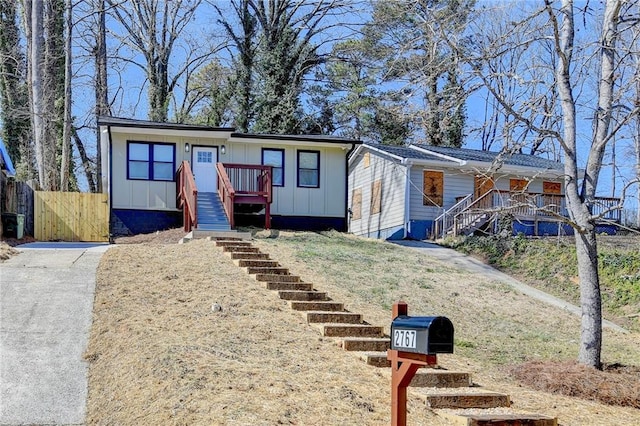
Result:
x=498 y=415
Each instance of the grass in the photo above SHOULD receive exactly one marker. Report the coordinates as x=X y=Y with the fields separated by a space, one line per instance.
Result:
x=159 y=354
x=550 y=264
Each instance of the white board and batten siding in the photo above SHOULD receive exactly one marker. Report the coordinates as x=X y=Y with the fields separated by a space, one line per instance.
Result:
x=377 y=176
x=147 y=194
x=290 y=200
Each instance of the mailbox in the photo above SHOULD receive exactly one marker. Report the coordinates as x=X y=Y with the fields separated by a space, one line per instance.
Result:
x=423 y=335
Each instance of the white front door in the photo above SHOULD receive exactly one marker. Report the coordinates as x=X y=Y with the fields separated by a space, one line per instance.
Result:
x=204 y=168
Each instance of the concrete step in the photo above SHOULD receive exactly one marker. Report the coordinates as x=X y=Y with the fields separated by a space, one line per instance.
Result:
x=302 y=295
x=259 y=263
x=262 y=270
x=351 y=330
x=278 y=278
x=375 y=359
x=465 y=398
x=289 y=286
x=316 y=306
x=436 y=378
x=242 y=255
x=494 y=417
x=362 y=344
x=334 y=317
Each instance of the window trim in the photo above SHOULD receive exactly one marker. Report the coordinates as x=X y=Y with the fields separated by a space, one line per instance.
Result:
x=298 y=168
x=151 y=162
x=281 y=151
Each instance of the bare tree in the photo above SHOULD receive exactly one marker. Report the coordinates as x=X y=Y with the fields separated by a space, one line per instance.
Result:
x=14 y=104
x=101 y=80
x=66 y=159
x=152 y=29
x=578 y=91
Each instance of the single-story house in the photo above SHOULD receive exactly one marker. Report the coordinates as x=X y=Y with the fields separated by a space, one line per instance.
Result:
x=6 y=171
x=163 y=175
x=421 y=191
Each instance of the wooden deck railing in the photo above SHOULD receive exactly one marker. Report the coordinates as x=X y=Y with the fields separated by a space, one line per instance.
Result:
x=187 y=196
x=466 y=214
x=244 y=184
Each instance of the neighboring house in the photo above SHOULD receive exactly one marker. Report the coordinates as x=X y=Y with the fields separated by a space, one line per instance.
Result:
x=421 y=191
x=6 y=170
x=162 y=175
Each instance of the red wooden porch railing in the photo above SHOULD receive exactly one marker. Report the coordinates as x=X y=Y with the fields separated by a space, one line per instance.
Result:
x=187 y=196
x=244 y=184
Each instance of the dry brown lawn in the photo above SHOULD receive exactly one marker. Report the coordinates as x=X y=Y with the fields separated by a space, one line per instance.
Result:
x=159 y=354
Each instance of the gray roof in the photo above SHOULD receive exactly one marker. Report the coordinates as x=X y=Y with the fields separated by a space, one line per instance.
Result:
x=308 y=138
x=490 y=156
x=466 y=154
x=130 y=122
x=406 y=152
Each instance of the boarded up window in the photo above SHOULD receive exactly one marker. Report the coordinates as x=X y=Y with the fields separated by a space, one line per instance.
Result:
x=518 y=185
x=482 y=185
x=356 y=204
x=551 y=187
x=432 y=188
x=367 y=159
x=376 y=197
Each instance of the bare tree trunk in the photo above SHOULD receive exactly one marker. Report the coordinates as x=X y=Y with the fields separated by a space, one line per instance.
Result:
x=101 y=86
x=86 y=162
x=66 y=132
x=36 y=56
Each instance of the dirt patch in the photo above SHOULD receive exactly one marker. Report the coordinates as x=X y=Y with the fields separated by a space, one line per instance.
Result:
x=159 y=353
x=169 y=236
x=6 y=251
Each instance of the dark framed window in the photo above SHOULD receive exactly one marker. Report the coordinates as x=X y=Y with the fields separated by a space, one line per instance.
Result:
x=309 y=169
x=151 y=161
x=275 y=158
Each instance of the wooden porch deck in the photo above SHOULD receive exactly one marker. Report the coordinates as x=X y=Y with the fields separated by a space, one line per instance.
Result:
x=469 y=214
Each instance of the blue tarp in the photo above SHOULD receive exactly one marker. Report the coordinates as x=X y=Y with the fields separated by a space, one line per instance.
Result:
x=8 y=165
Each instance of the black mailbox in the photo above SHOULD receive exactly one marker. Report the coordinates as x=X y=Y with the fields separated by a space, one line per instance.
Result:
x=423 y=335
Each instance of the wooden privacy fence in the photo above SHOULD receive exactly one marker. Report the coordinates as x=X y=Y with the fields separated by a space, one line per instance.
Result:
x=71 y=216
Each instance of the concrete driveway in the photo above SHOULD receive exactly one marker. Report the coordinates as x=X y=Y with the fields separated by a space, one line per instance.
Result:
x=46 y=300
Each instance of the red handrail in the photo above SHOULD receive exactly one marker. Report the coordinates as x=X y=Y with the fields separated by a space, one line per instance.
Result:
x=245 y=183
x=187 y=196
x=226 y=192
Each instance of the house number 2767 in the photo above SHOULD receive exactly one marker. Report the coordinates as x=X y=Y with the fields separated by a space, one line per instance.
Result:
x=404 y=339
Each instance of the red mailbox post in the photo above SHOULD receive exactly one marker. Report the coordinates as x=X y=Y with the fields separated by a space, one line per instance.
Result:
x=403 y=367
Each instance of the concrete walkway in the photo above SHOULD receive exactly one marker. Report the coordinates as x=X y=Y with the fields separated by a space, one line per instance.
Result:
x=46 y=302
x=468 y=263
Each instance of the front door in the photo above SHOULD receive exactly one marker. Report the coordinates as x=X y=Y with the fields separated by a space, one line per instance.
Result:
x=204 y=168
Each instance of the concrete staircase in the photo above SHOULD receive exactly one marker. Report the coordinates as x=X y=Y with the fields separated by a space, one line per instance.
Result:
x=449 y=393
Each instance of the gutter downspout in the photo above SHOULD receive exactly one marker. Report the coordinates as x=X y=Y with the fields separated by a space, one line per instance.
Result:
x=407 y=163
x=109 y=151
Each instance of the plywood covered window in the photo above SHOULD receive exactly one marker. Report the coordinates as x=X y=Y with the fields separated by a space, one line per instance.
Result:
x=518 y=185
x=356 y=204
x=551 y=188
x=432 y=188
x=482 y=185
x=367 y=159
x=376 y=197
